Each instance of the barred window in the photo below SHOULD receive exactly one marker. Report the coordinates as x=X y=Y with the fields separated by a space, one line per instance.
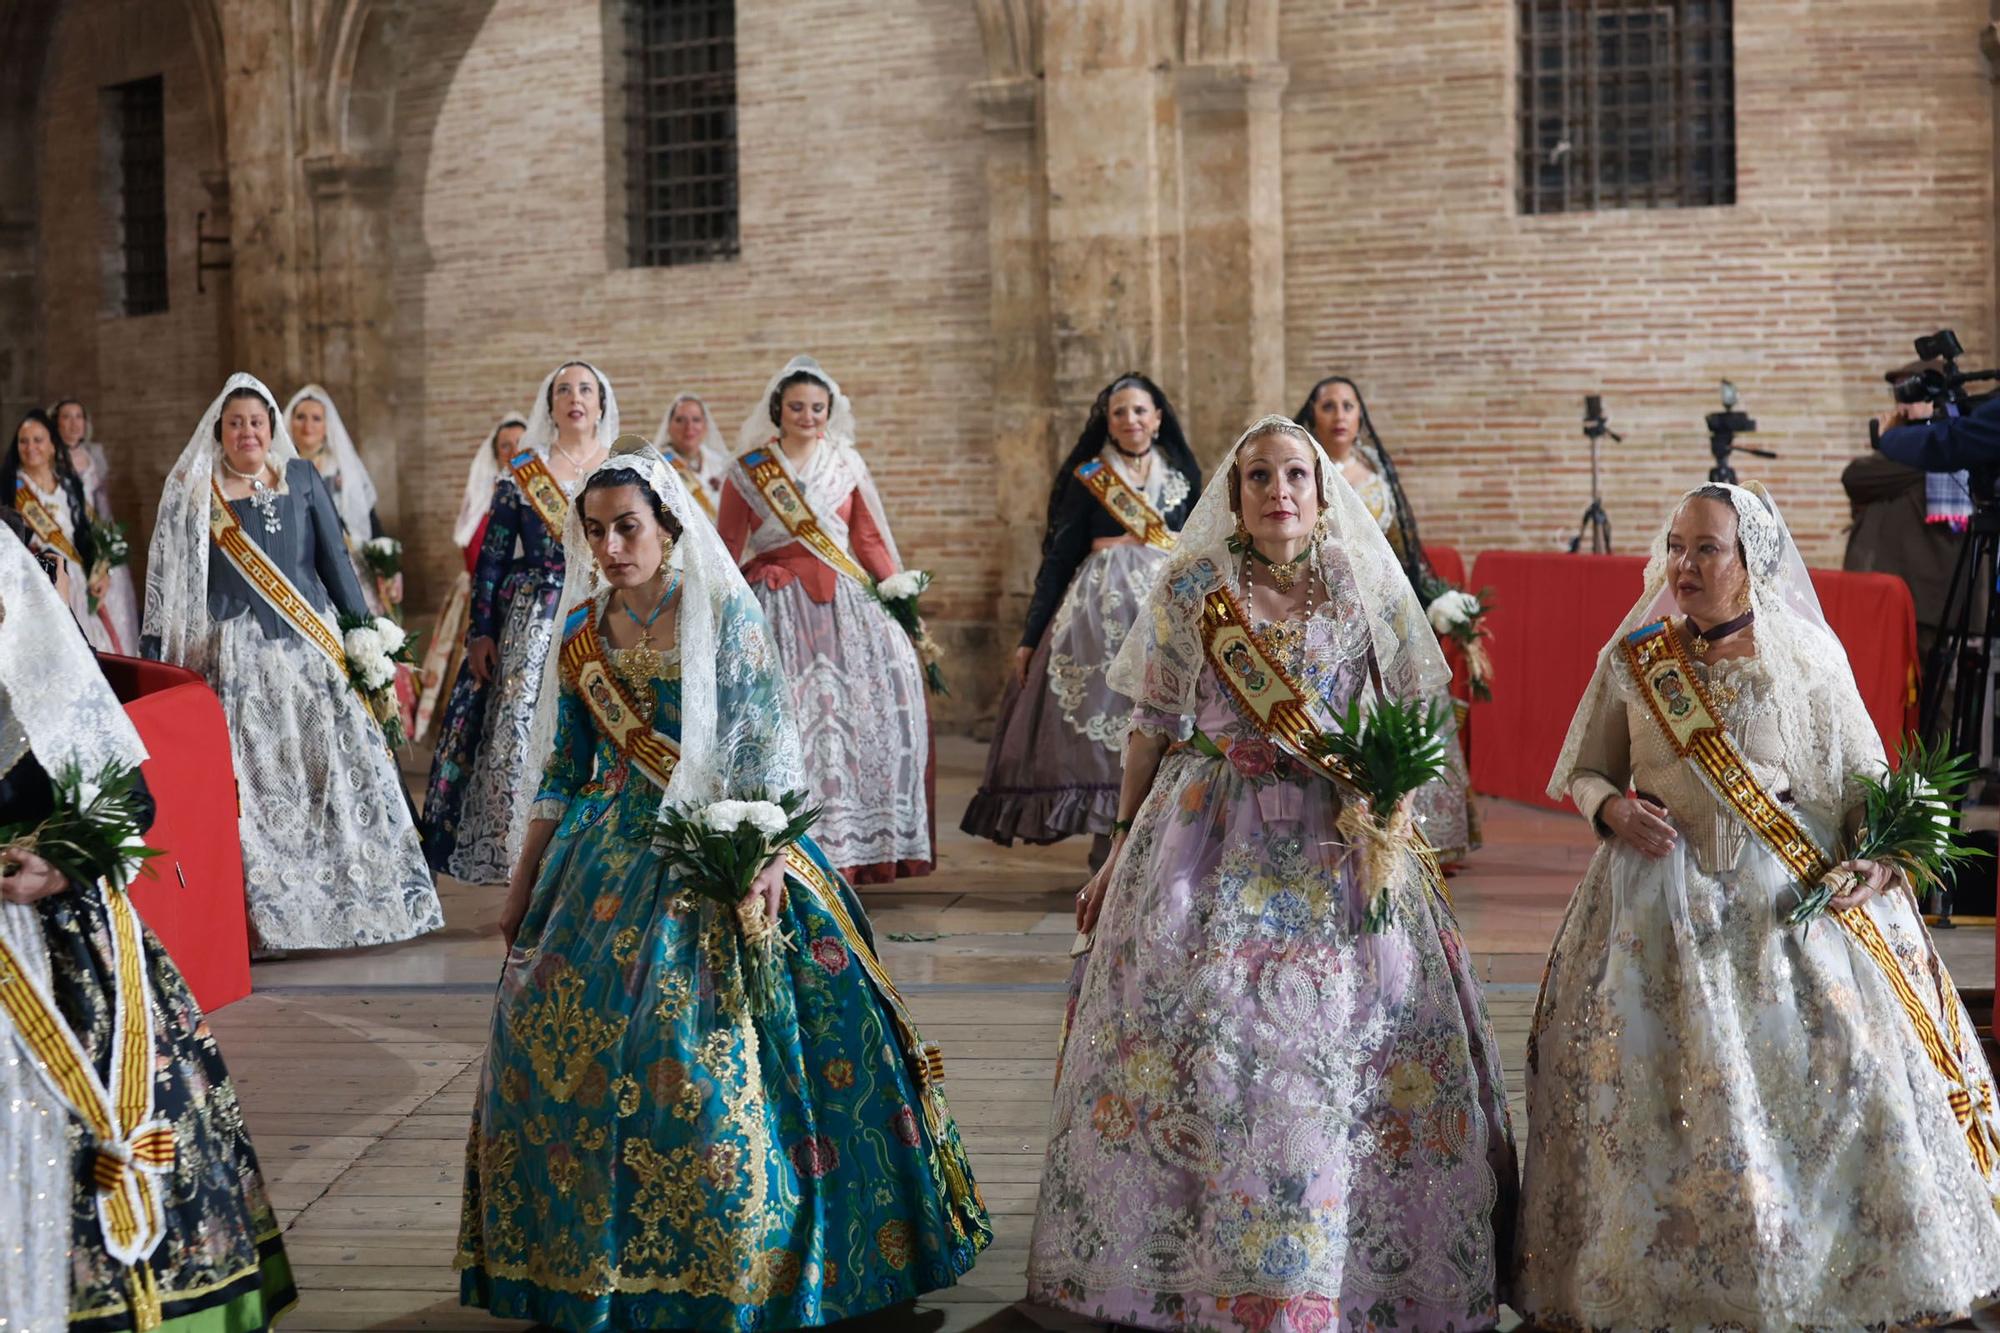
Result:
x=137 y=147
x=680 y=131
x=1626 y=104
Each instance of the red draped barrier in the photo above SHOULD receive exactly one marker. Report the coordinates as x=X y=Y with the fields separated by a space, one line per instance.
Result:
x=1552 y=613
x=192 y=896
x=1447 y=564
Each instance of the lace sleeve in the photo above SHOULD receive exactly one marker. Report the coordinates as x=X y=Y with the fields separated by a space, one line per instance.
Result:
x=758 y=742
x=1161 y=661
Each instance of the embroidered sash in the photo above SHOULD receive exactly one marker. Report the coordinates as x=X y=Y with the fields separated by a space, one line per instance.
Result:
x=1265 y=694
x=47 y=531
x=1680 y=705
x=768 y=475
x=544 y=492
x=1125 y=504
x=692 y=480
x=618 y=715
x=131 y=1147
x=268 y=580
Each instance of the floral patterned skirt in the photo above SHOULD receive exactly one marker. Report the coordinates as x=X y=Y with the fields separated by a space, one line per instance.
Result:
x=1054 y=766
x=1733 y=1122
x=647 y=1153
x=1265 y=1117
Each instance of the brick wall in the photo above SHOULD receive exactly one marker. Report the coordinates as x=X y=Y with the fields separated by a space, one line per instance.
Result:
x=863 y=243
x=1864 y=218
x=146 y=379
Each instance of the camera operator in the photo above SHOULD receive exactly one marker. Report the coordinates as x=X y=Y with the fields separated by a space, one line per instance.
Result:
x=1915 y=435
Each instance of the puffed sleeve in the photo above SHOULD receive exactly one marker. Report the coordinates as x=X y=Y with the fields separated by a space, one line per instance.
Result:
x=1068 y=544
x=329 y=546
x=570 y=767
x=1603 y=766
x=735 y=521
x=870 y=551
x=496 y=559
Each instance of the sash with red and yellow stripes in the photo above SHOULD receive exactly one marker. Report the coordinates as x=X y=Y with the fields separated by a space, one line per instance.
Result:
x=768 y=475
x=618 y=715
x=692 y=480
x=131 y=1148
x=544 y=492
x=249 y=560
x=1680 y=705
x=43 y=524
x=1125 y=504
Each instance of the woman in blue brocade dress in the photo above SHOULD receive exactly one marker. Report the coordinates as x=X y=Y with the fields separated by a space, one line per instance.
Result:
x=649 y=1149
x=475 y=802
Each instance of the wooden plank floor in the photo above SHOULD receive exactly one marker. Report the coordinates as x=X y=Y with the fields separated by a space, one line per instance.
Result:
x=357 y=1071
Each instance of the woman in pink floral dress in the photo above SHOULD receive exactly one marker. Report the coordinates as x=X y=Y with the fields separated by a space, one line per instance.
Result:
x=1267 y=1116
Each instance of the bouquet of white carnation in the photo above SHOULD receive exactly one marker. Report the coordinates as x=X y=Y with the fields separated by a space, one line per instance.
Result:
x=374 y=646
x=898 y=594
x=1461 y=617
x=720 y=848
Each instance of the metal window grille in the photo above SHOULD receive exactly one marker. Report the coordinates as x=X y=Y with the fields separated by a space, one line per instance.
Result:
x=1626 y=104
x=142 y=194
x=680 y=131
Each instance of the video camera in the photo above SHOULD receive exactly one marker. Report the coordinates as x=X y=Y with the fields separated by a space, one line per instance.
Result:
x=1723 y=428
x=1939 y=381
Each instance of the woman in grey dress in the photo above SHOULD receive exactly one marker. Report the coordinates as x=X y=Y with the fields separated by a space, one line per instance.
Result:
x=247 y=569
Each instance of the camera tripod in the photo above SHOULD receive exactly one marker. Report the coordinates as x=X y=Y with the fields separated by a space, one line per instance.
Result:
x=1595 y=521
x=1961 y=660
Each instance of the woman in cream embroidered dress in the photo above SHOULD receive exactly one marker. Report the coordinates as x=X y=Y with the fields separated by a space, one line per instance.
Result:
x=1053 y=766
x=476 y=802
x=1335 y=413
x=1267 y=1117
x=857 y=686
x=34 y=462
x=93 y=469
x=330 y=856
x=446 y=650
x=321 y=438
x=1732 y=1121
x=649 y=1148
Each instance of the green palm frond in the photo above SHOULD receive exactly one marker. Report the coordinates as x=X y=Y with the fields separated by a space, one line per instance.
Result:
x=1387 y=750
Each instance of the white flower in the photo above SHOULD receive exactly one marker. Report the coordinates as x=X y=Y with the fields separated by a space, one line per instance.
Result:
x=363 y=642
x=87 y=793
x=391 y=634
x=909 y=583
x=1452 y=610
x=384 y=545
x=767 y=817
x=129 y=860
x=725 y=816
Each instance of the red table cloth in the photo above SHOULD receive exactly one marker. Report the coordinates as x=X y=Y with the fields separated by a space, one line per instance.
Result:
x=1552 y=613
x=191 y=895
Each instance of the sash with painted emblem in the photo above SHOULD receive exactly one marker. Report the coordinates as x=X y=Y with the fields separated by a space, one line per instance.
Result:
x=691 y=479
x=1264 y=692
x=1681 y=706
x=622 y=718
x=789 y=506
x=43 y=524
x=544 y=492
x=268 y=580
x=1123 y=502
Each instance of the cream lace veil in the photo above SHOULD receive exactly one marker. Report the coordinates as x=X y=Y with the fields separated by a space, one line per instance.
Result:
x=1828 y=735
x=727 y=658
x=715 y=456
x=1161 y=668
x=479 y=478
x=355 y=498
x=835 y=468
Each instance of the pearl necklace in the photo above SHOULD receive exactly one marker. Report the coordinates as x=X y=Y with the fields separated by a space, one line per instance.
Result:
x=262 y=498
x=582 y=469
x=1282 y=578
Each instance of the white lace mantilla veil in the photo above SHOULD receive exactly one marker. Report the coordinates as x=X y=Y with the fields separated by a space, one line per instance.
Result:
x=177 y=561
x=1161 y=669
x=715 y=455
x=540 y=436
x=719 y=628
x=835 y=468
x=479 y=479
x=53 y=702
x=356 y=497
x=1828 y=736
